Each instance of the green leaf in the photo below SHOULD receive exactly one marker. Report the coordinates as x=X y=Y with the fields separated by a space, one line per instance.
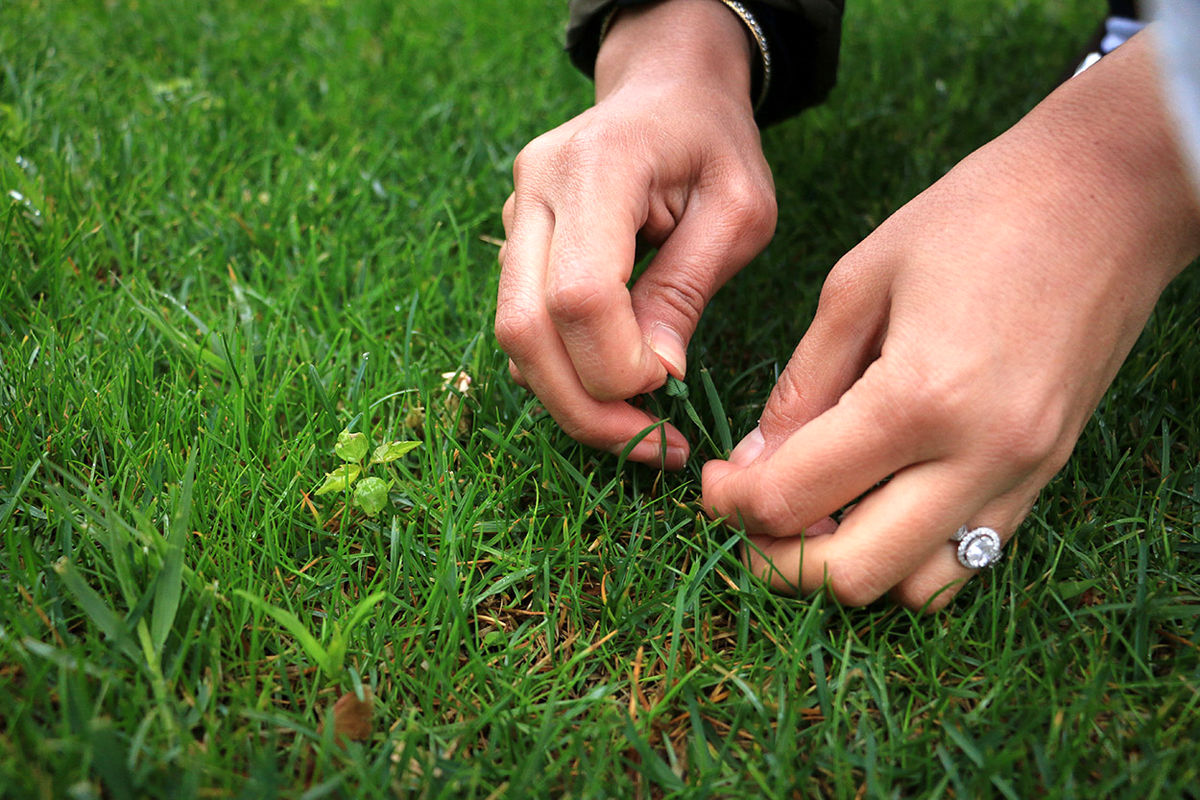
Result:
x=351 y=446
x=340 y=480
x=371 y=495
x=295 y=627
x=392 y=451
x=676 y=388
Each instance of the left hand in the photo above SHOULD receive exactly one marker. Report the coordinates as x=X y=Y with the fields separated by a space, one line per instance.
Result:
x=958 y=352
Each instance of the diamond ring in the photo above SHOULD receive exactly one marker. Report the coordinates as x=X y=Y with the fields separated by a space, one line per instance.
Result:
x=978 y=548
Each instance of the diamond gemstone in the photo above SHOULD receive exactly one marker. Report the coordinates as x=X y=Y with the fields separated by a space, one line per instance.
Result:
x=980 y=550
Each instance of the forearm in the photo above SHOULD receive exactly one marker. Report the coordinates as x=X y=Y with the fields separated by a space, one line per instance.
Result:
x=1100 y=157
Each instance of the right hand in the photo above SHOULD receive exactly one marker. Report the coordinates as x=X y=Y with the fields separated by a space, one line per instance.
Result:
x=669 y=152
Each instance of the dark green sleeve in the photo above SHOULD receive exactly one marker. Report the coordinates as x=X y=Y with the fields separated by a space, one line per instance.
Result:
x=803 y=37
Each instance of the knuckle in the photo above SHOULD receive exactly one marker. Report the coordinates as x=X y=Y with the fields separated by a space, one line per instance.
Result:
x=557 y=154
x=532 y=159
x=843 y=295
x=752 y=209
x=1029 y=436
x=841 y=282
x=586 y=145
x=925 y=597
x=573 y=298
x=506 y=211
x=515 y=329
x=852 y=585
x=770 y=511
x=685 y=297
x=926 y=397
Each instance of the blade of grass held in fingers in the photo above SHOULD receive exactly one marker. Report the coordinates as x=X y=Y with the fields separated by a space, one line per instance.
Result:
x=718 y=411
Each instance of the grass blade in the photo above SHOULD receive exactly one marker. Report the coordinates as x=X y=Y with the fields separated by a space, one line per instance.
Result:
x=170 y=579
x=718 y=411
x=97 y=610
x=11 y=505
x=308 y=643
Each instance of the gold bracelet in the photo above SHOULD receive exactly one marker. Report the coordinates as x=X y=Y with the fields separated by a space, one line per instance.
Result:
x=608 y=18
x=760 y=39
x=756 y=33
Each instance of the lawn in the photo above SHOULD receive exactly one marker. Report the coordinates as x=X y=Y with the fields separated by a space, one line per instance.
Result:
x=231 y=231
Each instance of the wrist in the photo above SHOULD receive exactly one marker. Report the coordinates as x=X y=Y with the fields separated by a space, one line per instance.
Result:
x=698 y=43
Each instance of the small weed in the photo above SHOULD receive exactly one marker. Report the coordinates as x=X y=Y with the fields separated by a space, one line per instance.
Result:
x=370 y=494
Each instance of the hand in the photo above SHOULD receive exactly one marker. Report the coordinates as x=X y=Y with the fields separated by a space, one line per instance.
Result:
x=958 y=351
x=671 y=152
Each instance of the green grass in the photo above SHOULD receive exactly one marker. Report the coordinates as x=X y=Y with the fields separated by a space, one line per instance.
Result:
x=263 y=222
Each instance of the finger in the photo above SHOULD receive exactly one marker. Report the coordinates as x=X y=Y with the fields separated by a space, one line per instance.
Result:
x=933 y=584
x=605 y=425
x=527 y=334
x=591 y=258
x=506 y=213
x=818 y=469
x=713 y=241
x=517 y=377
x=843 y=339
x=888 y=536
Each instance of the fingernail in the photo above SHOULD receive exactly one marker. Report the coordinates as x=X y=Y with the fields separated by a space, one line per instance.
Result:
x=821 y=527
x=748 y=449
x=669 y=346
x=677 y=455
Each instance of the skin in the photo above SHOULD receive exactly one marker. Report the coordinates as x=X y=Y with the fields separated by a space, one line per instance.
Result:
x=693 y=183
x=957 y=352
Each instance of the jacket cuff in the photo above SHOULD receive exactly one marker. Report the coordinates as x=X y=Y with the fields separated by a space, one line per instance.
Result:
x=797 y=48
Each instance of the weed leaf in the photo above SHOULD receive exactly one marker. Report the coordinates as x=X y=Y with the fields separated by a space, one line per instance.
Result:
x=94 y=606
x=676 y=388
x=392 y=451
x=351 y=447
x=340 y=480
x=371 y=495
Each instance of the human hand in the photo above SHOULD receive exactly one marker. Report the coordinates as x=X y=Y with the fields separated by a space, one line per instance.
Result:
x=958 y=351
x=669 y=152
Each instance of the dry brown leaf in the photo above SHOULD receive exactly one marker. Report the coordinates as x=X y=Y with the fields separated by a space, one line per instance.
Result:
x=352 y=717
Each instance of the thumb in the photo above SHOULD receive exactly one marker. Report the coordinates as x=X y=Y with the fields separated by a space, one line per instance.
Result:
x=711 y=243
x=843 y=340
